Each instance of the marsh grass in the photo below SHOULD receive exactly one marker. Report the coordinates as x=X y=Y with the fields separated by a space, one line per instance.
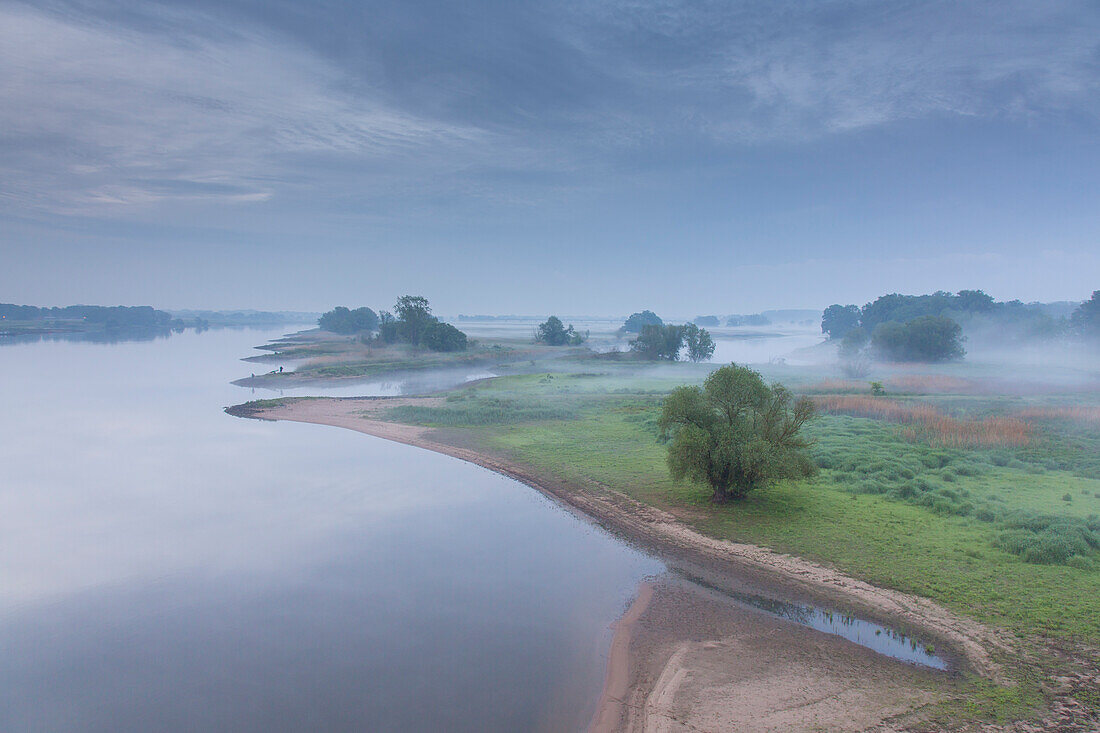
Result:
x=925 y=422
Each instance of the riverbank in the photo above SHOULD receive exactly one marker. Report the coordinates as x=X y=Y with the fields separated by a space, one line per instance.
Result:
x=684 y=646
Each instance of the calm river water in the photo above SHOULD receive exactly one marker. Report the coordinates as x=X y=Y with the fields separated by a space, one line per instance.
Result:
x=167 y=567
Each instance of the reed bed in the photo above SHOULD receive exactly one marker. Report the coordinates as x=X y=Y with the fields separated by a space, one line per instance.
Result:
x=932 y=384
x=925 y=422
x=909 y=383
x=1077 y=413
x=835 y=385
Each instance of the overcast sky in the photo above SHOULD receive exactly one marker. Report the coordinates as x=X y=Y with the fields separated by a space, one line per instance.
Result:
x=535 y=157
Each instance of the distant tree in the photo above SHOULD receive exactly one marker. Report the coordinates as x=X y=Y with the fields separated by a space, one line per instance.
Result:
x=973 y=301
x=838 y=320
x=736 y=433
x=413 y=316
x=1086 y=319
x=853 y=356
x=342 y=320
x=700 y=346
x=756 y=319
x=439 y=336
x=927 y=338
x=414 y=324
x=636 y=321
x=659 y=342
x=706 y=321
x=553 y=332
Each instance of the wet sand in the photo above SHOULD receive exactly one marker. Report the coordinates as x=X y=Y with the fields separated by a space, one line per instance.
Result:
x=685 y=658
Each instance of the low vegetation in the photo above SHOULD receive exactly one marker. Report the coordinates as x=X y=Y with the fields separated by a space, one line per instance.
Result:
x=929 y=424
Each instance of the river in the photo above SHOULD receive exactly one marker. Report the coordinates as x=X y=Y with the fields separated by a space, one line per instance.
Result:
x=164 y=566
x=168 y=567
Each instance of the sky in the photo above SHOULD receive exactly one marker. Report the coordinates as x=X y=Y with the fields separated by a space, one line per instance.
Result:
x=547 y=157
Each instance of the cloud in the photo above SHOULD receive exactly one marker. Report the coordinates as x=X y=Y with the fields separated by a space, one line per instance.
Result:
x=95 y=115
x=747 y=73
x=105 y=113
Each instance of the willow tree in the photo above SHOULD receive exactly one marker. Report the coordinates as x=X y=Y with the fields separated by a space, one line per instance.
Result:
x=736 y=433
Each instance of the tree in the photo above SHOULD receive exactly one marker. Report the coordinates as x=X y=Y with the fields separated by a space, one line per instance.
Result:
x=736 y=433
x=854 y=359
x=659 y=342
x=700 y=346
x=928 y=338
x=755 y=319
x=413 y=316
x=553 y=332
x=838 y=320
x=974 y=301
x=342 y=320
x=439 y=336
x=1086 y=319
x=636 y=321
x=706 y=321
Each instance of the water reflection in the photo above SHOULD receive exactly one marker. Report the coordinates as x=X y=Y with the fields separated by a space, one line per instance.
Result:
x=879 y=638
x=168 y=567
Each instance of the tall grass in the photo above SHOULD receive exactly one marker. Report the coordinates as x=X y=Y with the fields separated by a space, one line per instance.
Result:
x=925 y=422
x=1077 y=413
x=904 y=383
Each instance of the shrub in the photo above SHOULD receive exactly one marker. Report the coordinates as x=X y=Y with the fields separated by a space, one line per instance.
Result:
x=1080 y=562
x=1047 y=539
x=905 y=491
x=440 y=336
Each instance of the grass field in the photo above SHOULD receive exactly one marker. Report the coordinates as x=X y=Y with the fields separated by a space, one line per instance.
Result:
x=951 y=524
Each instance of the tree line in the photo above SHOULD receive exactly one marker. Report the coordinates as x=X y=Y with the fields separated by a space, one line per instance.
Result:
x=119 y=316
x=411 y=322
x=930 y=327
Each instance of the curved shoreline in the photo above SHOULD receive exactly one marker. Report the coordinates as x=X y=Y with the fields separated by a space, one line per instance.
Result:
x=616 y=683
x=724 y=564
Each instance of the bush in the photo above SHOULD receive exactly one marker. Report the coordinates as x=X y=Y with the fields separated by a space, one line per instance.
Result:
x=1080 y=562
x=1046 y=539
x=439 y=336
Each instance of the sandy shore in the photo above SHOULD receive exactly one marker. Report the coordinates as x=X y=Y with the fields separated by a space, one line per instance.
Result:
x=685 y=659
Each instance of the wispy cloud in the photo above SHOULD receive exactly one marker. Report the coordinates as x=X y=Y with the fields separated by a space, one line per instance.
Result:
x=95 y=116
x=746 y=73
x=494 y=101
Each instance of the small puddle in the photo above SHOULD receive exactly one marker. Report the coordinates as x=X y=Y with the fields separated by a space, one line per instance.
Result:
x=875 y=637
